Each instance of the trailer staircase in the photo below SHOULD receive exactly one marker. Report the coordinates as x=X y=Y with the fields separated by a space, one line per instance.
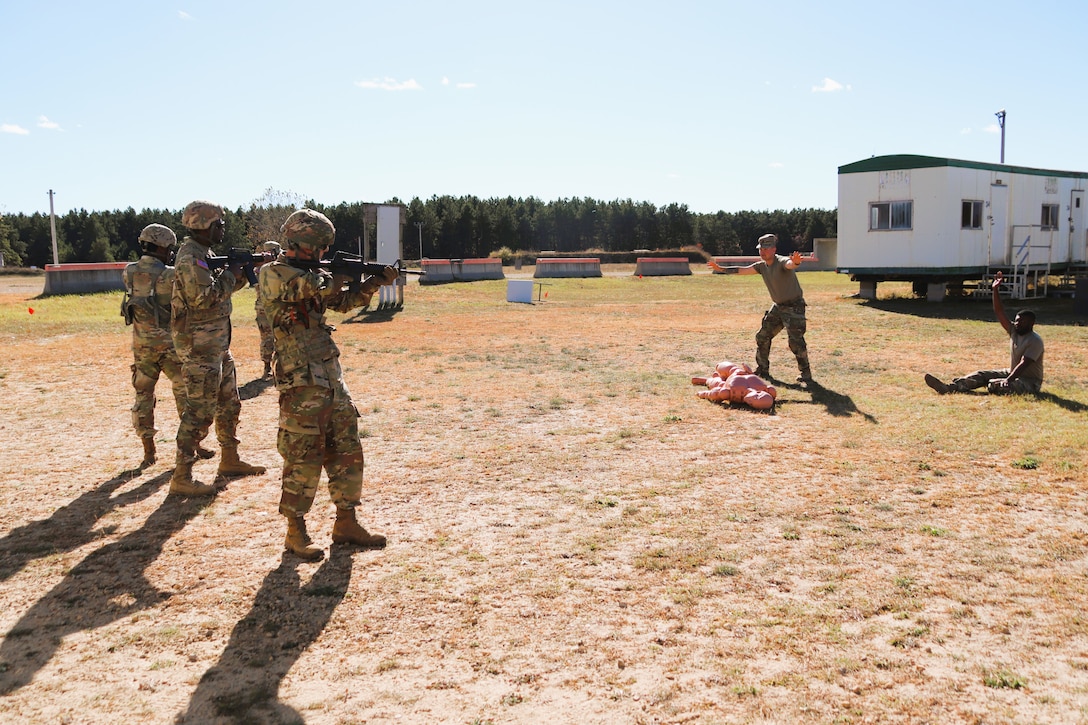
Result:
x=1023 y=279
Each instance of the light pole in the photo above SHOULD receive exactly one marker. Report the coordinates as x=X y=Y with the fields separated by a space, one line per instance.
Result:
x=53 y=228
x=419 y=226
x=1001 y=122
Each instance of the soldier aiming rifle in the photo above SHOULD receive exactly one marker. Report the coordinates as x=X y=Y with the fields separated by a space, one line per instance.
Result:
x=319 y=425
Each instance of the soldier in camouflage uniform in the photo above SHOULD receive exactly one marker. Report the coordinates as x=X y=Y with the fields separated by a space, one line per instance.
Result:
x=201 y=307
x=319 y=425
x=788 y=310
x=263 y=325
x=146 y=306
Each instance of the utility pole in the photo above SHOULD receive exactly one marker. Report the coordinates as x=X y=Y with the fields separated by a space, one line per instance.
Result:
x=53 y=228
x=419 y=226
x=1001 y=122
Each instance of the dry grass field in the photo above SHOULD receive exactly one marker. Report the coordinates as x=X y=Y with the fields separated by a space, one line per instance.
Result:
x=575 y=537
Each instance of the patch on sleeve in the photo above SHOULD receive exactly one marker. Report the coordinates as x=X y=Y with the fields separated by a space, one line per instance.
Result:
x=202 y=263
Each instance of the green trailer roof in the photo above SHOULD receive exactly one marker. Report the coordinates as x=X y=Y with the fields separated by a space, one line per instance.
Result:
x=900 y=162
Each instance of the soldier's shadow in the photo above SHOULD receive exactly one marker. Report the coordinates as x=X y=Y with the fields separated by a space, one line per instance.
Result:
x=254 y=388
x=285 y=619
x=71 y=526
x=837 y=404
x=106 y=586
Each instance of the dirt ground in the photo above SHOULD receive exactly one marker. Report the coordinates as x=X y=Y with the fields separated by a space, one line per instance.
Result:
x=574 y=537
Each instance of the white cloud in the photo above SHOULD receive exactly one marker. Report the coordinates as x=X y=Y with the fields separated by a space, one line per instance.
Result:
x=461 y=86
x=184 y=15
x=965 y=131
x=390 y=84
x=776 y=165
x=12 y=128
x=992 y=128
x=44 y=122
x=829 y=86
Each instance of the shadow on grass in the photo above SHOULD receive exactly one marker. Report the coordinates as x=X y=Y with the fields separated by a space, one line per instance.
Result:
x=255 y=387
x=107 y=586
x=286 y=618
x=837 y=404
x=71 y=526
x=1073 y=406
x=372 y=316
x=1049 y=310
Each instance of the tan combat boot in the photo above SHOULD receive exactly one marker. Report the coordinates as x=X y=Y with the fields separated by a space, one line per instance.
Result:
x=182 y=482
x=231 y=465
x=347 y=530
x=204 y=453
x=299 y=542
x=149 y=452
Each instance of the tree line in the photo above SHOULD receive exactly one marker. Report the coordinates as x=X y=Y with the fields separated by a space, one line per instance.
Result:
x=464 y=227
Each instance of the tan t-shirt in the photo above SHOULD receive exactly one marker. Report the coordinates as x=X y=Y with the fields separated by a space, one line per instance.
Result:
x=781 y=282
x=1029 y=346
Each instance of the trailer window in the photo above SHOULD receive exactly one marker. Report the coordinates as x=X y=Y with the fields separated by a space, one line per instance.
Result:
x=1050 y=217
x=890 y=215
x=972 y=215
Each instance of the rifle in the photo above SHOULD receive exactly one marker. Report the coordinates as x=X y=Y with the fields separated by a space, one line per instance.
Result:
x=353 y=266
x=249 y=261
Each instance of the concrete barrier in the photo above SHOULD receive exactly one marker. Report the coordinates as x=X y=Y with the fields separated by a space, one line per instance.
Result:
x=73 y=279
x=460 y=270
x=661 y=266
x=570 y=267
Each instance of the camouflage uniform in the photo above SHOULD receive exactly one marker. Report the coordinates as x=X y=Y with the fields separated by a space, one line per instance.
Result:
x=201 y=307
x=146 y=307
x=263 y=324
x=788 y=311
x=319 y=424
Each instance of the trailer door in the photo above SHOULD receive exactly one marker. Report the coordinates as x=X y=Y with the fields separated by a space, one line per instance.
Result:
x=999 y=204
x=1078 y=241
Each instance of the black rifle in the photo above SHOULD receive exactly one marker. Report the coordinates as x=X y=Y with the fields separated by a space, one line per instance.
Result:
x=249 y=261
x=352 y=266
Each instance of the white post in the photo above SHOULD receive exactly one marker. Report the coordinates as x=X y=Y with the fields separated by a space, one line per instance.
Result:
x=53 y=228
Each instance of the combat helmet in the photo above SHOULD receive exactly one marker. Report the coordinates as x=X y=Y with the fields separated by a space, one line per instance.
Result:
x=270 y=246
x=308 y=228
x=157 y=235
x=201 y=215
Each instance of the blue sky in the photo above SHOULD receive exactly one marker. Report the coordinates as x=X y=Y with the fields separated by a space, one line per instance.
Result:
x=718 y=105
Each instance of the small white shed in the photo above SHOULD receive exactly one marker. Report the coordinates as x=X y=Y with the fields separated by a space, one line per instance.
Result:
x=937 y=222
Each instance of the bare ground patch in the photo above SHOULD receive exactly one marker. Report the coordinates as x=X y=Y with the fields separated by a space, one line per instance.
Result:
x=574 y=537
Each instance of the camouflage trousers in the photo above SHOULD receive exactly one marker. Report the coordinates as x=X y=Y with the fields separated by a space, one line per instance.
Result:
x=319 y=428
x=265 y=328
x=211 y=394
x=988 y=379
x=791 y=317
x=146 y=368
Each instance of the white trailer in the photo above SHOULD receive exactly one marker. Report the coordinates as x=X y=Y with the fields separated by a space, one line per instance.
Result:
x=941 y=222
